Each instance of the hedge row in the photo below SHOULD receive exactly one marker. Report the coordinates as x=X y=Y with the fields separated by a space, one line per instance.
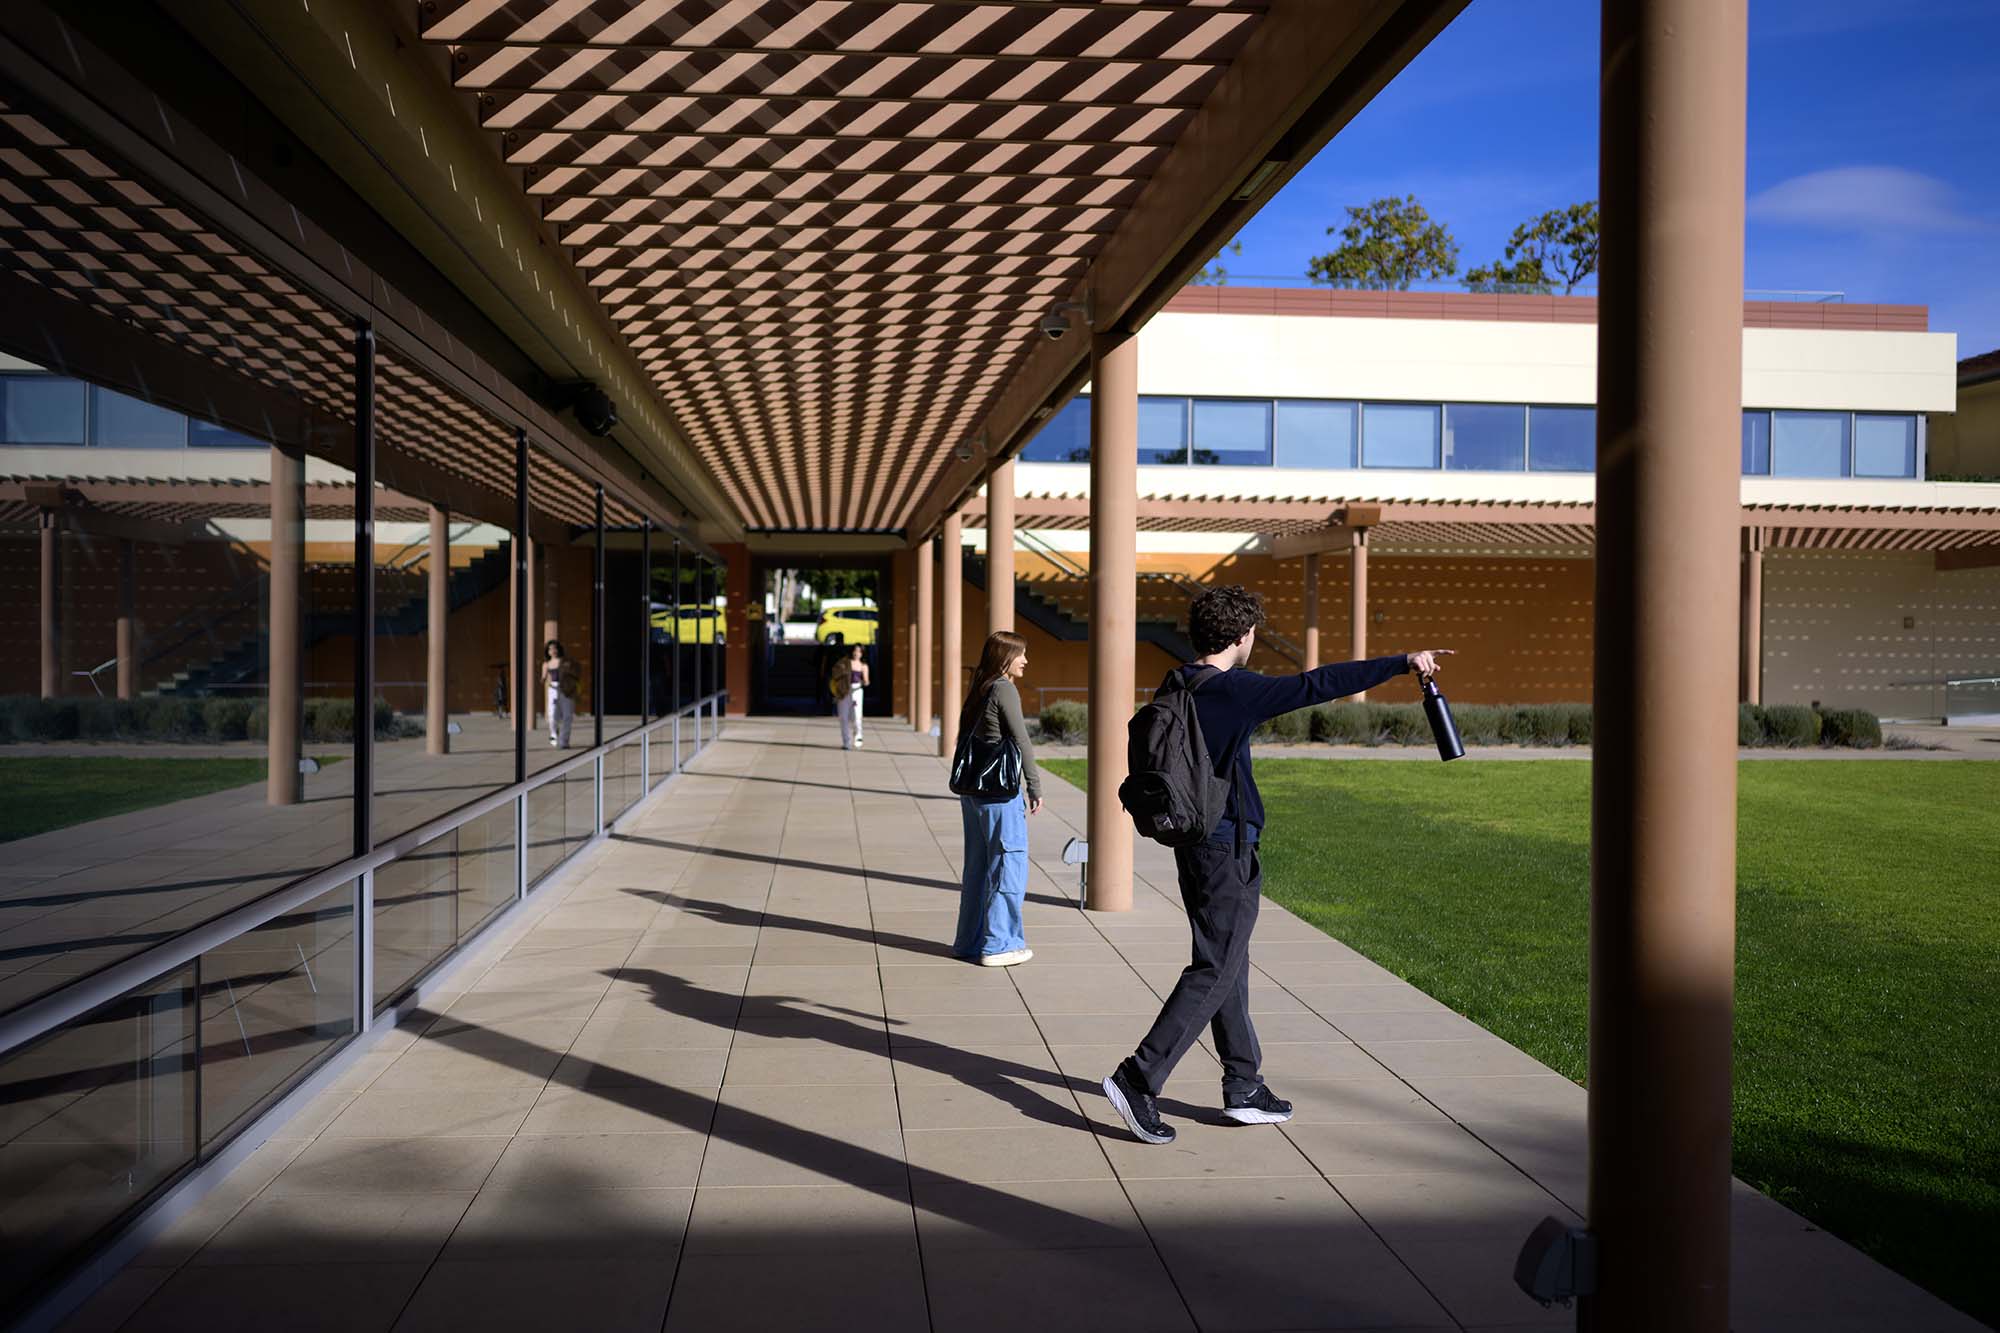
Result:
x=23 y=717
x=1785 y=725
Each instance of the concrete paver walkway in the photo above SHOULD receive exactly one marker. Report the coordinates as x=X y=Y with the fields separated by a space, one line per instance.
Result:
x=725 y=1076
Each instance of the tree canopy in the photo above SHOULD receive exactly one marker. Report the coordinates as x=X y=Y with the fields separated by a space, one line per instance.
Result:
x=1385 y=246
x=1560 y=246
x=1215 y=275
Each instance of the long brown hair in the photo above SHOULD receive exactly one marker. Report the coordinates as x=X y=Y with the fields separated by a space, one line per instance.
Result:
x=1003 y=648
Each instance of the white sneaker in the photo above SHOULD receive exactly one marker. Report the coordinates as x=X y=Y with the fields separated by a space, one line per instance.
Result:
x=857 y=742
x=1008 y=959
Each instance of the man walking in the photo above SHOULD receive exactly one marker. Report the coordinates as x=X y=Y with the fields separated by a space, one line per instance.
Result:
x=1220 y=876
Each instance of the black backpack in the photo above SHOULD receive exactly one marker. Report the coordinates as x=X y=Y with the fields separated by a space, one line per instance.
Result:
x=1172 y=793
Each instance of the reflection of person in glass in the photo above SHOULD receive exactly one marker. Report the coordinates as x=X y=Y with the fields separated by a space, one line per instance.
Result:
x=559 y=685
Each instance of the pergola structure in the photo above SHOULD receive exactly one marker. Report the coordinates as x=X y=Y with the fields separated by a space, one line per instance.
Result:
x=824 y=254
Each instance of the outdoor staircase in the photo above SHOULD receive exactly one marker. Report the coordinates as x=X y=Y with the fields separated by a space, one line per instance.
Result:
x=1059 y=605
x=243 y=662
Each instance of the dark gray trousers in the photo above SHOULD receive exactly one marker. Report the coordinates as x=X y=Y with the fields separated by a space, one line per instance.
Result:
x=1221 y=891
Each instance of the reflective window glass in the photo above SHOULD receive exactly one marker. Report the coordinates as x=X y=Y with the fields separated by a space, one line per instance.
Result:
x=1399 y=435
x=1885 y=446
x=1232 y=432
x=1064 y=437
x=119 y=422
x=272 y=1002
x=41 y=409
x=1562 y=439
x=208 y=435
x=1756 y=444
x=1163 y=430
x=1485 y=437
x=1809 y=444
x=1314 y=434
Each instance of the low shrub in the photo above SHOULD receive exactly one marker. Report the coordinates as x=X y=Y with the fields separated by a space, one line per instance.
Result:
x=329 y=721
x=1791 y=726
x=1855 y=727
x=226 y=719
x=175 y=719
x=257 y=726
x=1294 y=728
x=1749 y=724
x=99 y=719
x=1478 y=724
x=1405 y=724
x=1064 y=721
x=1344 y=724
x=1581 y=723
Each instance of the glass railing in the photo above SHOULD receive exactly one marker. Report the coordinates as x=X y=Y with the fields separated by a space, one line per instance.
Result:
x=118 y=1085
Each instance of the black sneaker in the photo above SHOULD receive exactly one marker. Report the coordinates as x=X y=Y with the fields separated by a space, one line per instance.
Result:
x=1259 y=1106
x=1135 y=1107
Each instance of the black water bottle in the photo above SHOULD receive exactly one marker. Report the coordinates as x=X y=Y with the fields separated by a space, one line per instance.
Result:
x=1442 y=726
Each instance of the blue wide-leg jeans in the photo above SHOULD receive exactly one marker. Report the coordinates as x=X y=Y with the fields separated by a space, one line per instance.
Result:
x=995 y=878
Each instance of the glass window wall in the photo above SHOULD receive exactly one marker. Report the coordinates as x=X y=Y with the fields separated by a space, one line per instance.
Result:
x=117 y=421
x=1315 y=434
x=1064 y=437
x=273 y=1001
x=41 y=409
x=1809 y=444
x=1562 y=439
x=1163 y=430
x=1485 y=437
x=1401 y=435
x=1232 y=432
x=1756 y=444
x=1885 y=446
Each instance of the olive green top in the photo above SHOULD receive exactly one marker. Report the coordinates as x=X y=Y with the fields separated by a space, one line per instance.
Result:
x=1000 y=716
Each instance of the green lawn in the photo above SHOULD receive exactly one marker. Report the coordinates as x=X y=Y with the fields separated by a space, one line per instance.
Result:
x=1868 y=962
x=53 y=793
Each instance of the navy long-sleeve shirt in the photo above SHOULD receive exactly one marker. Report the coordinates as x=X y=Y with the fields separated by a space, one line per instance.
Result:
x=1232 y=704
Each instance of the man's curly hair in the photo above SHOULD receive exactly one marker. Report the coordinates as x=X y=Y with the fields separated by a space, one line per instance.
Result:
x=1221 y=616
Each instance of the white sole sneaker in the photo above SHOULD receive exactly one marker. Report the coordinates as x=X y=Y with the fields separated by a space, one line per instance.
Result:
x=1250 y=1115
x=1008 y=959
x=1116 y=1097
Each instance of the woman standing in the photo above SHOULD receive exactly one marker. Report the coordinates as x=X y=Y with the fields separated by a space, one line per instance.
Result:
x=558 y=680
x=850 y=676
x=996 y=831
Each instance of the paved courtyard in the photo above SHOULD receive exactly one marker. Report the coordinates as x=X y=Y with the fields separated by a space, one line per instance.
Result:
x=723 y=1075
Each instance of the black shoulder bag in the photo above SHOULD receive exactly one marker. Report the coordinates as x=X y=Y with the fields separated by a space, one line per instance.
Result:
x=985 y=770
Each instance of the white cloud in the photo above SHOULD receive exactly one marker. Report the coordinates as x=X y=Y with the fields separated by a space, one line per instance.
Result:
x=1871 y=199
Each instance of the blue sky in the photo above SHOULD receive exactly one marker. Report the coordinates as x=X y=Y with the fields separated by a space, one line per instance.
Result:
x=1874 y=148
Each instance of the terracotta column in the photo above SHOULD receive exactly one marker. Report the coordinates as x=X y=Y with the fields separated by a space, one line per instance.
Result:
x=920 y=660
x=1663 y=794
x=1312 y=611
x=437 y=736
x=128 y=618
x=1357 y=598
x=1751 y=673
x=1000 y=548
x=1114 y=607
x=285 y=700
x=51 y=589
x=951 y=630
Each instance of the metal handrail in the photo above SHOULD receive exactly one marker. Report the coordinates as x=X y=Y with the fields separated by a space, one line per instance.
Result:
x=46 y=1013
x=1050 y=554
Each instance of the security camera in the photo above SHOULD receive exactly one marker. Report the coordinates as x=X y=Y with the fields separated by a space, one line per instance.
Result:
x=595 y=411
x=592 y=407
x=1056 y=323
x=963 y=452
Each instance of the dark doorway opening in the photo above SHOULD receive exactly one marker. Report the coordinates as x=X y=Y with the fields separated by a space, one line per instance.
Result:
x=813 y=612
